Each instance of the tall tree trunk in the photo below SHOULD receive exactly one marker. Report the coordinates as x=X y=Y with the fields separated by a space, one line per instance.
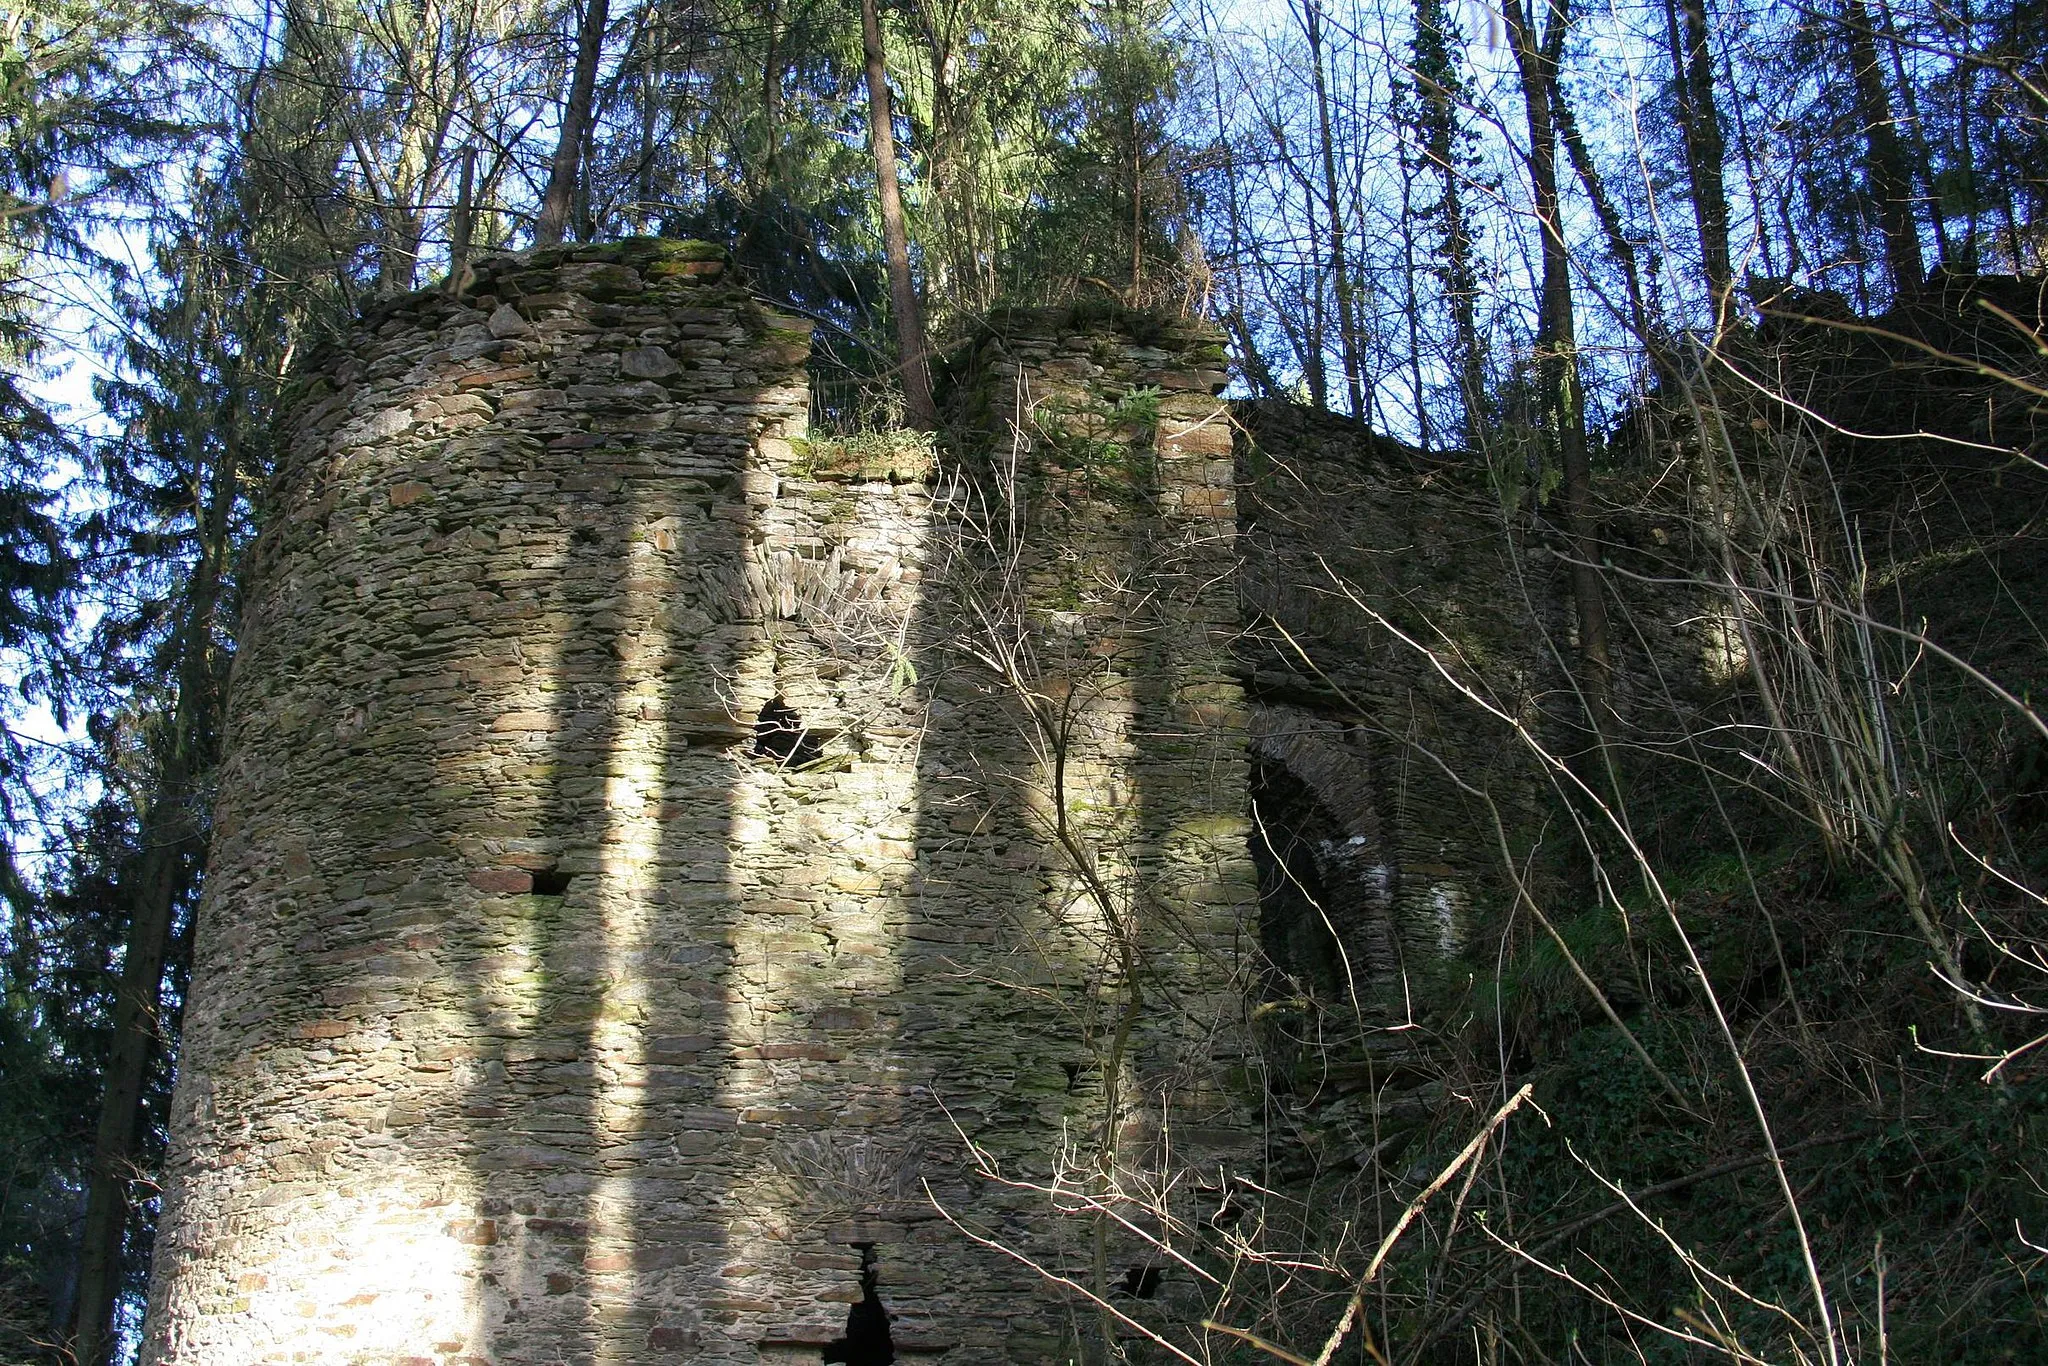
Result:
x=1758 y=195
x=1425 y=437
x=1706 y=148
x=171 y=825
x=655 y=27
x=1256 y=371
x=771 y=93
x=1136 y=137
x=1884 y=156
x=1437 y=79
x=918 y=409
x=1314 y=345
x=460 y=223
x=564 y=171
x=1965 y=101
x=1340 y=271
x=165 y=834
x=763 y=184
x=1537 y=59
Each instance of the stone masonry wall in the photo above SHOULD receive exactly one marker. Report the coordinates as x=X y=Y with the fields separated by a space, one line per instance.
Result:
x=543 y=1013
x=1089 y=735
x=1355 y=542
x=1400 y=624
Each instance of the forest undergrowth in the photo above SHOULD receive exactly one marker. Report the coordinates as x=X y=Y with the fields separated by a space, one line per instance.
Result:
x=1777 y=970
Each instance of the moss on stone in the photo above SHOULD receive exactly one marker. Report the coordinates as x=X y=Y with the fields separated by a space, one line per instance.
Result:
x=897 y=457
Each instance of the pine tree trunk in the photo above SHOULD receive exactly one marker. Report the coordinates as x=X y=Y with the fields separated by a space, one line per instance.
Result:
x=1435 y=76
x=1916 y=137
x=1137 y=205
x=1425 y=436
x=1340 y=270
x=1706 y=149
x=460 y=223
x=650 y=86
x=771 y=94
x=918 y=408
x=136 y=1005
x=170 y=827
x=563 y=173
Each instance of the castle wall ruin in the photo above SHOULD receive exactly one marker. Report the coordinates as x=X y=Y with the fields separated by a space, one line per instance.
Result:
x=661 y=859
x=666 y=863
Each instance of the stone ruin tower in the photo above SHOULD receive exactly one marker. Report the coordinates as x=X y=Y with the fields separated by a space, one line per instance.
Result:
x=662 y=861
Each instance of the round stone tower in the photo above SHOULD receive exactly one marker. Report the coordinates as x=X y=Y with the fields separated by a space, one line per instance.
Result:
x=675 y=881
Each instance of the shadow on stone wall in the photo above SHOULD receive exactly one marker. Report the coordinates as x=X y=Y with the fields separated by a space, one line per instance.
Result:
x=542 y=1015
x=1084 y=787
x=444 y=986
x=599 y=976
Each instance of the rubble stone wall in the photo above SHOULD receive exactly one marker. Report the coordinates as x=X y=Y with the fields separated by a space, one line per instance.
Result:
x=1401 y=624
x=544 y=1010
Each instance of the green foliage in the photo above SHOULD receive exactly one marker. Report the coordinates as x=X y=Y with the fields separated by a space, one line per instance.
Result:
x=746 y=126
x=987 y=90
x=1104 y=450
x=55 y=1007
x=1541 y=995
x=190 y=374
x=1111 y=204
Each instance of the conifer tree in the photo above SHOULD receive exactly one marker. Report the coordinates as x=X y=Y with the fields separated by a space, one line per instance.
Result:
x=200 y=376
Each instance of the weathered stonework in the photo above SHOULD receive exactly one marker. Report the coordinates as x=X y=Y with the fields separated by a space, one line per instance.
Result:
x=1400 y=624
x=1376 y=582
x=1408 y=642
x=541 y=1013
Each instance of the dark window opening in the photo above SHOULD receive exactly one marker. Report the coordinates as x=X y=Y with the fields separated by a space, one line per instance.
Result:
x=1142 y=1282
x=867 y=1341
x=551 y=882
x=1300 y=910
x=779 y=734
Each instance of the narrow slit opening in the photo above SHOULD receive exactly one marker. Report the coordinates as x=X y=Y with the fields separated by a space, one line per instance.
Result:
x=867 y=1341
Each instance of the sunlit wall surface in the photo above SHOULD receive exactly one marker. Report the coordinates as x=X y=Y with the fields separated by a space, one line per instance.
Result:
x=645 y=873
